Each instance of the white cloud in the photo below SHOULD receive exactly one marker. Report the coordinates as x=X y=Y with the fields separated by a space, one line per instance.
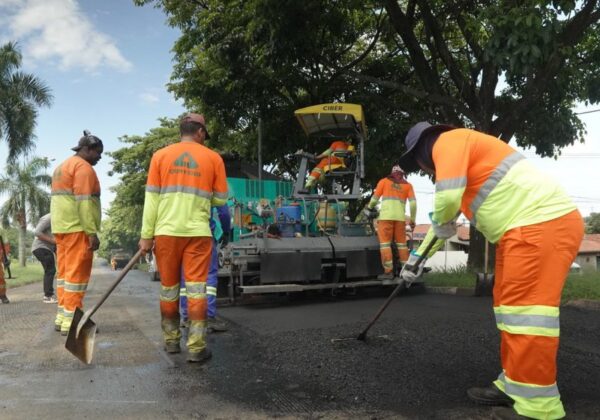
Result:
x=149 y=98
x=58 y=30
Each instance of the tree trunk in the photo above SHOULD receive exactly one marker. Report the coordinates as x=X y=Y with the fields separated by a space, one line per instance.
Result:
x=22 y=235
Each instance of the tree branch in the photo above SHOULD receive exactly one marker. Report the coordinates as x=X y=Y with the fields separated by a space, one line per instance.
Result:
x=404 y=28
x=571 y=34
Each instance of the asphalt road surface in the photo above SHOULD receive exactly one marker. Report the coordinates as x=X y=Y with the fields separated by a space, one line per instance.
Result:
x=277 y=360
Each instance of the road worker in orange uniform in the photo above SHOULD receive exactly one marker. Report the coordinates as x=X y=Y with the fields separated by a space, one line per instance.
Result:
x=393 y=191
x=184 y=180
x=3 y=297
x=331 y=159
x=537 y=231
x=75 y=219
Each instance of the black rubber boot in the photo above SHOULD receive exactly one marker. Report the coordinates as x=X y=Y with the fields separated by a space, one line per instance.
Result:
x=172 y=348
x=490 y=395
x=4 y=299
x=199 y=357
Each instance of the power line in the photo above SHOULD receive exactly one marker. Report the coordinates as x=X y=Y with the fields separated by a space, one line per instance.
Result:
x=587 y=112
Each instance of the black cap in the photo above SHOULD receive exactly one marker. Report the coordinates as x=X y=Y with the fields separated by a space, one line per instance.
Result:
x=414 y=135
x=88 y=140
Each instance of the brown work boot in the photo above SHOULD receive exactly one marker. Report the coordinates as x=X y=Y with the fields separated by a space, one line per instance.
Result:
x=172 y=347
x=216 y=325
x=506 y=413
x=4 y=299
x=490 y=395
x=199 y=357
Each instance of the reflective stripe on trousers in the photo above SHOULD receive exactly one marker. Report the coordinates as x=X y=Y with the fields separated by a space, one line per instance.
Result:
x=532 y=263
x=190 y=255
x=388 y=231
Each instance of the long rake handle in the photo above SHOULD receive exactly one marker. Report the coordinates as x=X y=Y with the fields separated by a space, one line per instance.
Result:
x=121 y=276
x=363 y=335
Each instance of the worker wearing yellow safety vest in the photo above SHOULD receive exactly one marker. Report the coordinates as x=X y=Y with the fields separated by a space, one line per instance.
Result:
x=331 y=159
x=75 y=219
x=393 y=191
x=537 y=230
x=184 y=180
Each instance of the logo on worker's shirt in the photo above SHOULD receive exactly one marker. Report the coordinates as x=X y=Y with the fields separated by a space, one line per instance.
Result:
x=185 y=160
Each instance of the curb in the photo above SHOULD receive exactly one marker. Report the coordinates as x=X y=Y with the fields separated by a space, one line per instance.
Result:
x=584 y=304
x=459 y=291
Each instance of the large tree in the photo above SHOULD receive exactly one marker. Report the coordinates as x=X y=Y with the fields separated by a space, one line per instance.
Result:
x=513 y=69
x=122 y=227
x=25 y=186
x=20 y=95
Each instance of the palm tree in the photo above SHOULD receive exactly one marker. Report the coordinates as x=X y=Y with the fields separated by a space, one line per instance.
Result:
x=20 y=95
x=28 y=199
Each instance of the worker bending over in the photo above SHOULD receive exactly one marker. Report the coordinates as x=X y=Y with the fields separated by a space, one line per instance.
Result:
x=393 y=191
x=537 y=230
x=184 y=180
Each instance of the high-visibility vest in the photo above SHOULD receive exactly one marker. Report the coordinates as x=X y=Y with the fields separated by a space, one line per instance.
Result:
x=492 y=184
x=75 y=198
x=184 y=180
x=393 y=197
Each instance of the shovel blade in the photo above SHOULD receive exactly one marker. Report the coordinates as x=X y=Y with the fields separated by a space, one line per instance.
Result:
x=81 y=337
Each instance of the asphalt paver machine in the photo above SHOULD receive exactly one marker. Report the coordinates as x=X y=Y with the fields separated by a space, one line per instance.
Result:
x=307 y=240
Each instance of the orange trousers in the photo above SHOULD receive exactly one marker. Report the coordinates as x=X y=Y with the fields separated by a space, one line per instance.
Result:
x=193 y=255
x=2 y=281
x=388 y=231
x=74 y=260
x=532 y=263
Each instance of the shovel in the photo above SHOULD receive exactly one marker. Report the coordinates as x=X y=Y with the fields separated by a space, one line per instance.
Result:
x=363 y=335
x=82 y=333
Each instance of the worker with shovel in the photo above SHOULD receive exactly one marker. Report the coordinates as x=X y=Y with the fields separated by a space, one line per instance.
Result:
x=393 y=191
x=75 y=214
x=537 y=230
x=184 y=180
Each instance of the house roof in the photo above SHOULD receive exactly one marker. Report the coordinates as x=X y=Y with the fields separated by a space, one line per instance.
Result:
x=462 y=232
x=590 y=244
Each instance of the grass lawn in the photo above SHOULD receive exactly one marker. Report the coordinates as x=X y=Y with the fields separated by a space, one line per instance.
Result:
x=24 y=275
x=579 y=286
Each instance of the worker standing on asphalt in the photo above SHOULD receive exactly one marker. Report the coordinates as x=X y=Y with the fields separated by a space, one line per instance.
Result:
x=75 y=215
x=537 y=229
x=220 y=235
x=3 y=297
x=44 y=248
x=393 y=191
x=332 y=158
x=184 y=180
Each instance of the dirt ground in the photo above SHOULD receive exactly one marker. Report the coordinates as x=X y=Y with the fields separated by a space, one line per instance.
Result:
x=277 y=360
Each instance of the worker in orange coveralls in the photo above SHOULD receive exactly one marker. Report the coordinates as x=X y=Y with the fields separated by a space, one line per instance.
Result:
x=75 y=215
x=393 y=191
x=537 y=231
x=332 y=158
x=185 y=180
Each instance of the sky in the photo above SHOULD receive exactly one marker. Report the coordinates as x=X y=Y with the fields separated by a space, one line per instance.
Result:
x=108 y=62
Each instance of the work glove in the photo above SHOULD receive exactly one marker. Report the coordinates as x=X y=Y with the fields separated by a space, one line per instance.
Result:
x=410 y=271
x=224 y=240
x=444 y=230
x=370 y=213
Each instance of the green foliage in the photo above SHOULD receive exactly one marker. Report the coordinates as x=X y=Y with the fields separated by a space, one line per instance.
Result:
x=20 y=95
x=592 y=223
x=25 y=185
x=121 y=229
x=239 y=60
